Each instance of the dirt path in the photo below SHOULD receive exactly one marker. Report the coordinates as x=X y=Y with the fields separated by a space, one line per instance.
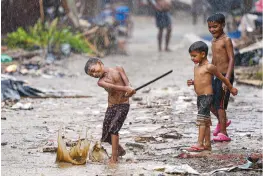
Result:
x=169 y=108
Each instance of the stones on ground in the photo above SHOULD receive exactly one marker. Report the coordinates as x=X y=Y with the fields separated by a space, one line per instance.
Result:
x=3 y=118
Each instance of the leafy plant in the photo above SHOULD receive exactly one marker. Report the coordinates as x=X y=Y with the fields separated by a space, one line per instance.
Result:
x=44 y=35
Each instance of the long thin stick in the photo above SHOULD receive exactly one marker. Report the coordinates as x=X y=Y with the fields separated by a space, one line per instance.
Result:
x=146 y=84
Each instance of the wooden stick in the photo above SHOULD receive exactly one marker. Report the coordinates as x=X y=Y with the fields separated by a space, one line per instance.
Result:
x=146 y=84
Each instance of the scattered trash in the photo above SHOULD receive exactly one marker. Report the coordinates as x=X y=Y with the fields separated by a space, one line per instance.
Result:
x=98 y=153
x=251 y=164
x=6 y=58
x=174 y=169
x=27 y=106
x=14 y=89
x=11 y=68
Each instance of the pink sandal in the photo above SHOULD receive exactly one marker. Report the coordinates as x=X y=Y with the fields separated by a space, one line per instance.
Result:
x=195 y=149
x=221 y=138
x=217 y=129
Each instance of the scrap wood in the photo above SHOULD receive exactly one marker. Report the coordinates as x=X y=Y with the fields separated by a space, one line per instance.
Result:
x=256 y=83
x=91 y=31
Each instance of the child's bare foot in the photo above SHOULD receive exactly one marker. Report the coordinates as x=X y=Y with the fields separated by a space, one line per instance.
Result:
x=112 y=161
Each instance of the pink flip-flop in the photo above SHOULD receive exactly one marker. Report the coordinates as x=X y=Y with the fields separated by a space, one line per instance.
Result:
x=195 y=149
x=217 y=129
x=221 y=138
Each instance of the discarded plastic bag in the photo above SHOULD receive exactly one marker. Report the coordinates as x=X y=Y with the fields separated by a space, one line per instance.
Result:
x=14 y=89
x=26 y=106
x=77 y=154
x=6 y=58
x=174 y=169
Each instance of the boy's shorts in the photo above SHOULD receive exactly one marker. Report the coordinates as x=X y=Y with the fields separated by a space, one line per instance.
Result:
x=221 y=97
x=163 y=19
x=204 y=104
x=113 y=121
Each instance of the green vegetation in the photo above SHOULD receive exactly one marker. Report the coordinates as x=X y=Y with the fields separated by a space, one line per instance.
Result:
x=43 y=35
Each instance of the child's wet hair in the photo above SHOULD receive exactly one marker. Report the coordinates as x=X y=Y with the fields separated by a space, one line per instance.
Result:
x=199 y=46
x=90 y=62
x=218 y=17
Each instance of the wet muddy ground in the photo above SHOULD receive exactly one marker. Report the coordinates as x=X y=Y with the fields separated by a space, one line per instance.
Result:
x=156 y=127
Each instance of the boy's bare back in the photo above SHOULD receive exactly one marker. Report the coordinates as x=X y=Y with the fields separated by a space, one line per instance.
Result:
x=222 y=50
x=113 y=76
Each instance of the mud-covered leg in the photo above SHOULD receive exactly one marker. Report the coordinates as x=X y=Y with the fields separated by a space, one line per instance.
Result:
x=201 y=134
x=207 y=143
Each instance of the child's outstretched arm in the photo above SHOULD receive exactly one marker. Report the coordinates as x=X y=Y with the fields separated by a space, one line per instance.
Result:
x=213 y=70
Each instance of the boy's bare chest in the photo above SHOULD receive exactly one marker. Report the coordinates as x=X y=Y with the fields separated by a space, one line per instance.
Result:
x=113 y=78
x=218 y=46
x=201 y=72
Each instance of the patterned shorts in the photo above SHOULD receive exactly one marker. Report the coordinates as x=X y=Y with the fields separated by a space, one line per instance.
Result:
x=113 y=121
x=203 y=105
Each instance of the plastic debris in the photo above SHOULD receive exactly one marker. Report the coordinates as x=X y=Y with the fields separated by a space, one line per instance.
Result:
x=27 y=106
x=6 y=58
